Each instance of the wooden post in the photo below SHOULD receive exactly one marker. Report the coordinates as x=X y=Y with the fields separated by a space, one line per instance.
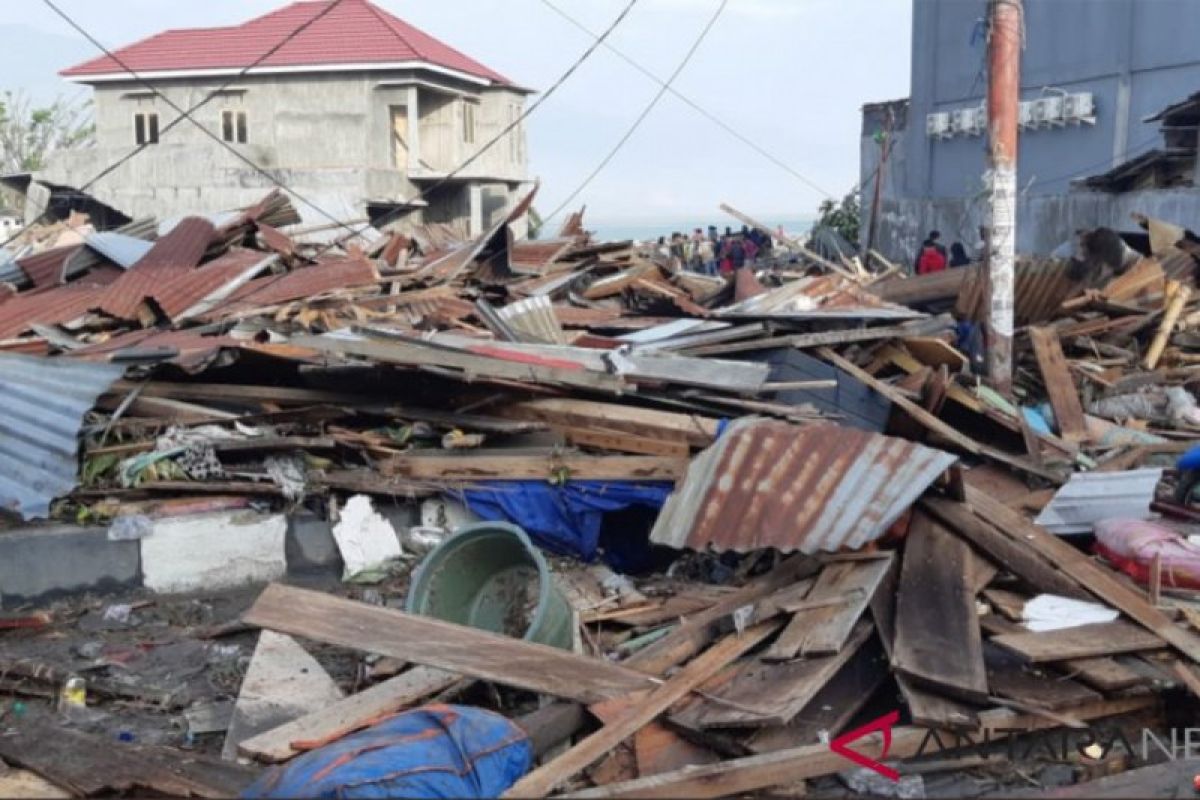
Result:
x=1003 y=104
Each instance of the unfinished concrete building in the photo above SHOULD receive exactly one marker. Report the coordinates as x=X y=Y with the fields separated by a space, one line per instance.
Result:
x=359 y=112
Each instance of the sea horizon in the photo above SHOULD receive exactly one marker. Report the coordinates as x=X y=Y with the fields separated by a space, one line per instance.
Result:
x=620 y=230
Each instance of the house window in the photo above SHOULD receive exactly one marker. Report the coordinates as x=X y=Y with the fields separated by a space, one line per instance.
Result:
x=233 y=126
x=468 y=119
x=514 y=136
x=145 y=128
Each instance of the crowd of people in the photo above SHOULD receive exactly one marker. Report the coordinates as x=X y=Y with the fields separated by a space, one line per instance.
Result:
x=714 y=253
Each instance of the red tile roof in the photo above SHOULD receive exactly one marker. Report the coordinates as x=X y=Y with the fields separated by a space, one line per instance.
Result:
x=354 y=32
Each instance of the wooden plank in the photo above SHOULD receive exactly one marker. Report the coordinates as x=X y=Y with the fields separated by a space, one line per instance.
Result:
x=752 y=773
x=934 y=352
x=1008 y=677
x=1028 y=565
x=832 y=707
x=925 y=708
x=690 y=637
x=1101 y=581
x=696 y=430
x=1105 y=674
x=622 y=442
x=543 y=780
x=1064 y=395
x=765 y=693
x=1085 y=641
x=434 y=643
x=346 y=716
x=90 y=765
x=934 y=424
x=824 y=630
x=22 y=783
x=657 y=747
x=495 y=465
x=938 y=642
x=803 y=340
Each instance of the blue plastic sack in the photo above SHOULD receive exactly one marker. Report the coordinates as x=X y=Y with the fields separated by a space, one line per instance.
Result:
x=562 y=519
x=434 y=751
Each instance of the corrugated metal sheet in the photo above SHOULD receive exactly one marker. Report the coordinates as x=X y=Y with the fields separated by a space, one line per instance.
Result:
x=122 y=250
x=48 y=307
x=45 y=400
x=46 y=268
x=168 y=260
x=817 y=487
x=1041 y=288
x=187 y=349
x=537 y=256
x=534 y=316
x=823 y=297
x=204 y=285
x=1089 y=497
x=326 y=276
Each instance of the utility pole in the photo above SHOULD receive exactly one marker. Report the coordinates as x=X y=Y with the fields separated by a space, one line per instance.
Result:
x=1003 y=111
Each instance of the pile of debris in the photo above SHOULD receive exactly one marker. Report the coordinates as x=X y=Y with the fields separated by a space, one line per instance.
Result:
x=825 y=512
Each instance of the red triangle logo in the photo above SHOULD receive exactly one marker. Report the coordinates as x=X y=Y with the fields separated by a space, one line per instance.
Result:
x=884 y=725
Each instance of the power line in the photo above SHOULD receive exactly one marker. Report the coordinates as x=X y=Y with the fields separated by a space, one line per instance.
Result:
x=645 y=113
x=187 y=114
x=401 y=206
x=1123 y=157
x=762 y=151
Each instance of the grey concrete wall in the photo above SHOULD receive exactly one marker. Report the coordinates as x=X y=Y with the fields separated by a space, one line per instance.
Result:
x=1043 y=222
x=1136 y=56
x=328 y=136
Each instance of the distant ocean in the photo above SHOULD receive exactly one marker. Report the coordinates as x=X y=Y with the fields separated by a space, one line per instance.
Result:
x=647 y=231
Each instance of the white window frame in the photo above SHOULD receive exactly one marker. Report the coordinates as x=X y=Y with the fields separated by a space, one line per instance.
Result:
x=144 y=135
x=470 y=121
x=236 y=123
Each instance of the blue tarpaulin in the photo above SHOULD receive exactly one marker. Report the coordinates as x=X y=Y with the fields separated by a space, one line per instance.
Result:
x=435 y=751
x=564 y=519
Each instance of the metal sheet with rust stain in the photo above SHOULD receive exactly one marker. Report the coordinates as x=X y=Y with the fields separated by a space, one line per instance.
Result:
x=809 y=488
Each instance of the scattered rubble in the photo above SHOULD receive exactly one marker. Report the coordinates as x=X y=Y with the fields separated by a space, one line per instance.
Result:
x=785 y=518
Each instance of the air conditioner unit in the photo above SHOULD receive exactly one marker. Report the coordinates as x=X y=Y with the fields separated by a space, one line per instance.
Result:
x=1052 y=111
x=1025 y=119
x=937 y=125
x=1080 y=108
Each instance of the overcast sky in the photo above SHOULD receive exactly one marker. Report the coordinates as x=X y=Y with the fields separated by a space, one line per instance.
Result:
x=790 y=75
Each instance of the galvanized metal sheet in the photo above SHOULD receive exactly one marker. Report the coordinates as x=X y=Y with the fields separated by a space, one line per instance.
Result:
x=818 y=487
x=534 y=316
x=45 y=401
x=125 y=251
x=823 y=297
x=1092 y=496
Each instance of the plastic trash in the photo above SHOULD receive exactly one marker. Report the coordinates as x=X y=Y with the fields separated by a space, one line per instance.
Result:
x=435 y=751
x=130 y=527
x=1132 y=544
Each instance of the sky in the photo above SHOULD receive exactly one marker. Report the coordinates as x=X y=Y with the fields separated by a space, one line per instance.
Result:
x=790 y=75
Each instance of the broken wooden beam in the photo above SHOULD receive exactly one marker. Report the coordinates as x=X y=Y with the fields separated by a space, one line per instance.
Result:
x=435 y=643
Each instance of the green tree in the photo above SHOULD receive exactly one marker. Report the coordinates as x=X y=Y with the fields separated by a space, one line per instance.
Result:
x=29 y=134
x=843 y=217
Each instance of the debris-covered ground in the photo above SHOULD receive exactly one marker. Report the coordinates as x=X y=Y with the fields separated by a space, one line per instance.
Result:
x=774 y=534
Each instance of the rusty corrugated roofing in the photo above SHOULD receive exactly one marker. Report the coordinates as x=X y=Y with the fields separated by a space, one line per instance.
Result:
x=189 y=349
x=46 y=268
x=326 y=276
x=1040 y=289
x=170 y=258
x=537 y=256
x=192 y=287
x=45 y=400
x=46 y=307
x=818 y=487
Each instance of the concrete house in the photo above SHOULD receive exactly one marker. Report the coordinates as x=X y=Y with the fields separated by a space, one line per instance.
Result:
x=1094 y=78
x=359 y=112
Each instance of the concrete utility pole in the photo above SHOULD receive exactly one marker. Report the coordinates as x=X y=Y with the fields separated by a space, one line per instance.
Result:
x=1003 y=107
